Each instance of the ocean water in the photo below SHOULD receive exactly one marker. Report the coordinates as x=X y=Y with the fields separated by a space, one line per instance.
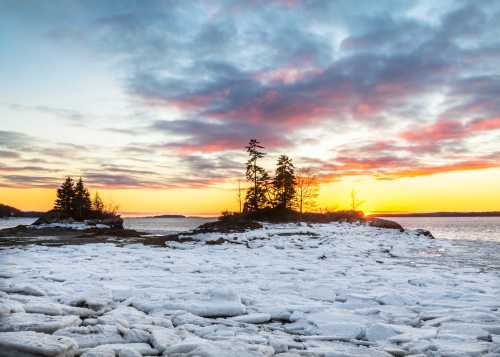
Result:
x=164 y=225
x=458 y=228
x=461 y=228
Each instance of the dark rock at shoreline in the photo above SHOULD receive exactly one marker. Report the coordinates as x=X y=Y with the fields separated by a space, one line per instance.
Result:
x=424 y=232
x=113 y=221
x=384 y=223
x=227 y=226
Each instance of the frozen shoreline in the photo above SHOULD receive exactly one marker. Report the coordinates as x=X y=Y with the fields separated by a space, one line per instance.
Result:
x=317 y=290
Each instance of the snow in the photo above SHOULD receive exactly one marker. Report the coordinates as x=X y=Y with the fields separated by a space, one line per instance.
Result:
x=32 y=344
x=283 y=290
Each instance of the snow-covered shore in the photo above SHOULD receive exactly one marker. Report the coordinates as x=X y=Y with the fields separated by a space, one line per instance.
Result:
x=284 y=290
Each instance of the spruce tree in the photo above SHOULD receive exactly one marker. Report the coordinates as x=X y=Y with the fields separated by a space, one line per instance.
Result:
x=65 y=195
x=256 y=196
x=284 y=182
x=81 y=204
x=98 y=205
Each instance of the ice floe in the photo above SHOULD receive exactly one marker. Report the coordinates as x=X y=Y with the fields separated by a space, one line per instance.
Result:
x=284 y=290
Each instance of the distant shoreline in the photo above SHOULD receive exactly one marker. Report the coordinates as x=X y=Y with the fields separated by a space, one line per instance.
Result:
x=440 y=214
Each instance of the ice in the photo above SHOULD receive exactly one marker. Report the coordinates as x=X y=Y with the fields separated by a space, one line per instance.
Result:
x=347 y=290
x=121 y=350
x=10 y=306
x=93 y=336
x=36 y=322
x=57 y=309
x=34 y=344
x=256 y=318
x=23 y=289
x=195 y=347
x=222 y=302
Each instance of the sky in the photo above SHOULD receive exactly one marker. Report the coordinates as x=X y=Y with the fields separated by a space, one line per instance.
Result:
x=153 y=102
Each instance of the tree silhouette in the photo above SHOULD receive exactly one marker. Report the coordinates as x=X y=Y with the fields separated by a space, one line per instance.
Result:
x=306 y=189
x=64 y=200
x=256 y=195
x=81 y=204
x=98 y=205
x=284 y=182
x=356 y=203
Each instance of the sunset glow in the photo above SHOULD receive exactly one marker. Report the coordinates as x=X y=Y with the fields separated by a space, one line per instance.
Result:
x=153 y=104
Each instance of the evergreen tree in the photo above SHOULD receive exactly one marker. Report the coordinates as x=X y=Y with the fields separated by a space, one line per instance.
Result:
x=98 y=205
x=284 y=182
x=256 y=196
x=65 y=195
x=81 y=204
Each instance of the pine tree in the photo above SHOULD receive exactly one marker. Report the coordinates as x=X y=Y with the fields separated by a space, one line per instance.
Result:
x=284 y=182
x=81 y=204
x=65 y=195
x=256 y=196
x=98 y=205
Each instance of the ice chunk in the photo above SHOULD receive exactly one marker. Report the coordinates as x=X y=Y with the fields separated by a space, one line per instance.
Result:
x=162 y=338
x=198 y=347
x=92 y=336
x=221 y=302
x=378 y=332
x=23 y=290
x=34 y=344
x=256 y=318
x=121 y=350
x=10 y=306
x=36 y=322
x=57 y=309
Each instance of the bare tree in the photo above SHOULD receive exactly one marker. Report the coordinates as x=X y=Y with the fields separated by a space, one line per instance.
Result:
x=239 y=196
x=356 y=203
x=307 y=188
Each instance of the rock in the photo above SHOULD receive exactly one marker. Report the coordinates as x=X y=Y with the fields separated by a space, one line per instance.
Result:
x=34 y=344
x=424 y=232
x=384 y=223
x=50 y=217
x=228 y=226
x=36 y=322
x=113 y=222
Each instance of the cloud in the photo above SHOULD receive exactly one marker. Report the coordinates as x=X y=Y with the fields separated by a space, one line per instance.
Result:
x=450 y=129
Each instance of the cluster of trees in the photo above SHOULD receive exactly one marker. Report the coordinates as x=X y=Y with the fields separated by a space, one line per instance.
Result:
x=288 y=189
x=73 y=201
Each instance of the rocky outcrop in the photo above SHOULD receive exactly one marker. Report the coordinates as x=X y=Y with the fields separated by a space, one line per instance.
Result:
x=55 y=217
x=384 y=223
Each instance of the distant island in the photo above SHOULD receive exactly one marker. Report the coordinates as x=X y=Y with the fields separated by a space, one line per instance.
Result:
x=440 y=214
x=9 y=211
x=166 y=216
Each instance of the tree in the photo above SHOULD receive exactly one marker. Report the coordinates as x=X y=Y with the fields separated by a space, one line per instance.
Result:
x=256 y=194
x=64 y=200
x=284 y=182
x=239 y=196
x=98 y=205
x=307 y=188
x=356 y=203
x=81 y=204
